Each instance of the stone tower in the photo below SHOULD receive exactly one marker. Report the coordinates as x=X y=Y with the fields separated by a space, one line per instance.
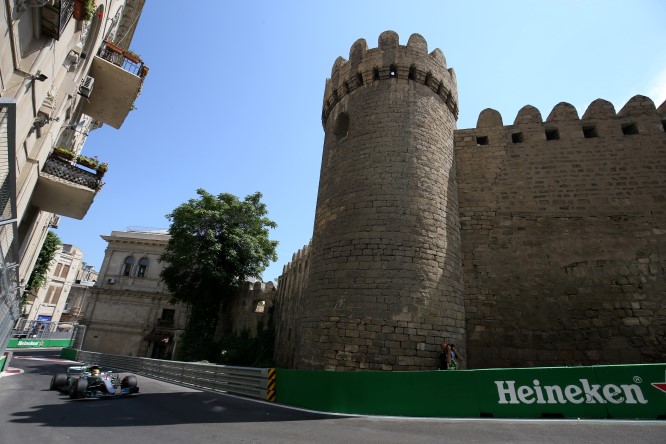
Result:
x=385 y=279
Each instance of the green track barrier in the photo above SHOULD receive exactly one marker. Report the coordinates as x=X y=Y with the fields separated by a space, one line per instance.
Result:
x=558 y=392
x=69 y=353
x=633 y=391
x=3 y=362
x=436 y=393
x=620 y=391
x=38 y=343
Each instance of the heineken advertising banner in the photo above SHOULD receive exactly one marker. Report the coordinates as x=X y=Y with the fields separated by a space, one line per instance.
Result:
x=613 y=391
x=633 y=391
x=38 y=343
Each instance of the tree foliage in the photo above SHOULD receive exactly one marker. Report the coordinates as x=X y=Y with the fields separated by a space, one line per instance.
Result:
x=216 y=243
x=243 y=349
x=46 y=254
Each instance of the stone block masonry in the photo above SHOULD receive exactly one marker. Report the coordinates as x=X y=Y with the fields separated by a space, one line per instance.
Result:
x=533 y=244
x=385 y=283
x=564 y=236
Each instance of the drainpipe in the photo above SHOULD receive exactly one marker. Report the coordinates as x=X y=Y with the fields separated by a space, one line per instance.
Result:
x=36 y=22
x=10 y=25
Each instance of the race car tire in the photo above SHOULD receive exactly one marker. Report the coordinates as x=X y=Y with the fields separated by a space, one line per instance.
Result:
x=128 y=381
x=58 y=381
x=79 y=388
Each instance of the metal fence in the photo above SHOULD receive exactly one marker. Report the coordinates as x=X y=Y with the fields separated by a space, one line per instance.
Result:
x=247 y=381
x=34 y=329
x=10 y=294
x=66 y=171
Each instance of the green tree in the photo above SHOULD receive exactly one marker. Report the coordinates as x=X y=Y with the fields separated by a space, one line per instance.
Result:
x=38 y=276
x=216 y=243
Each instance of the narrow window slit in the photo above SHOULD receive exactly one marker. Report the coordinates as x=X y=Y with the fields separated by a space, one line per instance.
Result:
x=590 y=132
x=629 y=129
x=412 y=72
x=482 y=140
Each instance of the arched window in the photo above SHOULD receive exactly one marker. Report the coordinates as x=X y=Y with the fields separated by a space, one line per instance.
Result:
x=143 y=266
x=259 y=306
x=127 y=266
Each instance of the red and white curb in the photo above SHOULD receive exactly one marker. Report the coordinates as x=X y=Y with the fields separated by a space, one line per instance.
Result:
x=9 y=371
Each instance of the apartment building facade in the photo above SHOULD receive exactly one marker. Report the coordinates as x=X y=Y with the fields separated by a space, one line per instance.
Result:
x=65 y=70
x=129 y=312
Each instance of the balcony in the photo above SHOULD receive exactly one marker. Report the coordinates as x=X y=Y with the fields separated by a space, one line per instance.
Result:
x=66 y=189
x=168 y=323
x=118 y=76
x=55 y=17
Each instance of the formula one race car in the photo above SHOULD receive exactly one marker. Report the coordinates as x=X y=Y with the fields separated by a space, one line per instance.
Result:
x=89 y=381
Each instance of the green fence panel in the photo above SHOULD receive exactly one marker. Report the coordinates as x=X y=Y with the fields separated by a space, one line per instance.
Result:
x=3 y=361
x=435 y=393
x=38 y=343
x=560 y=392
x=69 y=353
x=633 y=391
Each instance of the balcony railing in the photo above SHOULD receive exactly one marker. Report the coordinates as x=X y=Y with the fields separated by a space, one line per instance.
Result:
x=65 y=170
x=55 y=17
x=65 y=189
x=165 y=323
x=118 y=77
x=124 y=59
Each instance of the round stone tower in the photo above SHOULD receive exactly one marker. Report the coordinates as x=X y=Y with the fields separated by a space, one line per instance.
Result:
x=385 y=280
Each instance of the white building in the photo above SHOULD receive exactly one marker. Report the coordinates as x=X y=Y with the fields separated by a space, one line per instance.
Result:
x=129 y=310
x=63 y=73
x=49 y=301
x=58 y=305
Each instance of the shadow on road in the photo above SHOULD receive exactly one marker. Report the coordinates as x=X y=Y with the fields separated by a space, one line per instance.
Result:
x=159 y=409
x=157 y=404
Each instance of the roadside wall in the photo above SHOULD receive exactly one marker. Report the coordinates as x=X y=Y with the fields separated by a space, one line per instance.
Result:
x=622 y=391
x=563 y=228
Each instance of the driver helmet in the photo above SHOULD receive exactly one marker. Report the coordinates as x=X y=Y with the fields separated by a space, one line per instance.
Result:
x=94 y=370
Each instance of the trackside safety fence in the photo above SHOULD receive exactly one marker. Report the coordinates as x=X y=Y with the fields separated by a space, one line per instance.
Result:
x=246 y=381
x=594 y=392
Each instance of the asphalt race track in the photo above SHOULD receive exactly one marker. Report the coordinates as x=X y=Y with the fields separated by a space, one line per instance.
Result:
x=165 y=413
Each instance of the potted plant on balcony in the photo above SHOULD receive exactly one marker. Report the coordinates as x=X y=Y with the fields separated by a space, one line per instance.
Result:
x=132 y=56
x=87 y=162
x=63 y=153
x=102 y=168
x=113 y=47
x=83 y=9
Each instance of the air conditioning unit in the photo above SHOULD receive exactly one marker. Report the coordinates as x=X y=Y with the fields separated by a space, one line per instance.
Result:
x=55 y=221
x=86 y=87
x=111 y=280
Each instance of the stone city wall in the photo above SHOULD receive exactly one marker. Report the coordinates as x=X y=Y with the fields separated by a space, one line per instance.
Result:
x=564 y=236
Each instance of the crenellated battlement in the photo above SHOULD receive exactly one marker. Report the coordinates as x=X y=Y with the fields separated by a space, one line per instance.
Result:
x=390 y=60
x=297 y=258
x=638 y=116
x=518 y=241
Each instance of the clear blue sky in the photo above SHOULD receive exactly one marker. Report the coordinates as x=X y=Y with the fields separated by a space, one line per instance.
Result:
x=233 y=100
